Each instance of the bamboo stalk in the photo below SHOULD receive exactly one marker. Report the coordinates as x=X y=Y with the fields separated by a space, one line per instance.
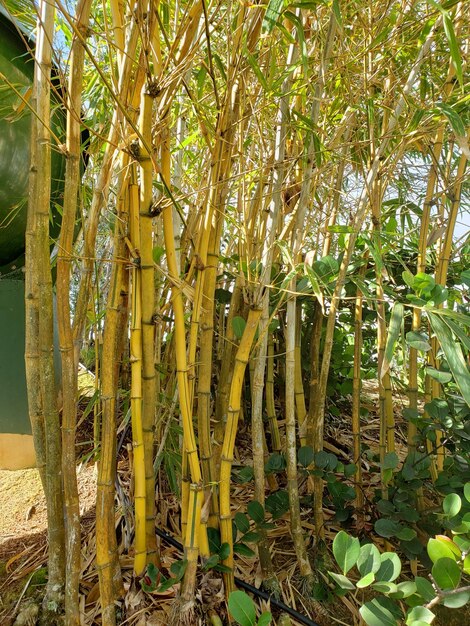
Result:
x=38 y=269
x=100 y=193
x=140 y=558
x=148 y=309
x=241 y=361
x=69 y=371
x=258 y=444
x=356 y=405
x=107 y=561
x=291 y=447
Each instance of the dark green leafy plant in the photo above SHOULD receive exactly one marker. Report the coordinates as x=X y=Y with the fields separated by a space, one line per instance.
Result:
x=411 y=601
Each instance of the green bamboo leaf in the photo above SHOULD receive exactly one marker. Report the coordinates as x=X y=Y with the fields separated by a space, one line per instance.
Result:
x=272 y=14
x=453 y=46
x=458 y=332
x=337 y=12
x=454 y=118
x=396 y=319
x=257 y=70
x=453 y=354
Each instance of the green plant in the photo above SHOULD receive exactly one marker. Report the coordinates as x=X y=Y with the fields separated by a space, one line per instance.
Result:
x=410 y=601
x=242 y=609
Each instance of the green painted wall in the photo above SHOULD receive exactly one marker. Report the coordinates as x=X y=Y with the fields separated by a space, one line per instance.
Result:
x=14 y=404
x=16 y=65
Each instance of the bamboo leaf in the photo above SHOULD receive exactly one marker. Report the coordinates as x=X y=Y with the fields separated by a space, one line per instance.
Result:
x=454 y=47
x=396 y=320
x=453 y=354
x=454 y=118
x=272 y=14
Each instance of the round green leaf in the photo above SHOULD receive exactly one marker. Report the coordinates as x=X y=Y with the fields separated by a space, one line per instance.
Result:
x=424 y=588
x=439 y=550
x=452 y=504
x=265 y=619
x=419 y=614
x=243 y=549
x=406 y=589
x=384 y=587
x=378 y=613
x=466 y=491
x=346 y=551
x=342 y=581
x=242 y=522
x=390 y=567
x=369 y=559
x=446 y=573
x=256 y=511
x=406 y=534
x=242 y=608
x=238 y=326
x=387 y=527
x=391 y=460
x=456 y=601
x=305 y=456
x=366 y=580
x=418 y=341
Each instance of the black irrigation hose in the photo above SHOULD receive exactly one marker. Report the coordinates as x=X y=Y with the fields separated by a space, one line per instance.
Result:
x=247 y=587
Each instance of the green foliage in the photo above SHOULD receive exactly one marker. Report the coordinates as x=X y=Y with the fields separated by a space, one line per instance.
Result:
x=243 y=611
x=154 y=580
x=409 y=601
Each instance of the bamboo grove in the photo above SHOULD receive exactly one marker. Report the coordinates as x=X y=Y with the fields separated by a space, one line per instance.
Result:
x=256 y=172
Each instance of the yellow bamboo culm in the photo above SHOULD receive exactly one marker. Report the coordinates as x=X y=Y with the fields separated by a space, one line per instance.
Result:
x=191 y=553
x=140 y=558
x=148 y=305
x=241 y=361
